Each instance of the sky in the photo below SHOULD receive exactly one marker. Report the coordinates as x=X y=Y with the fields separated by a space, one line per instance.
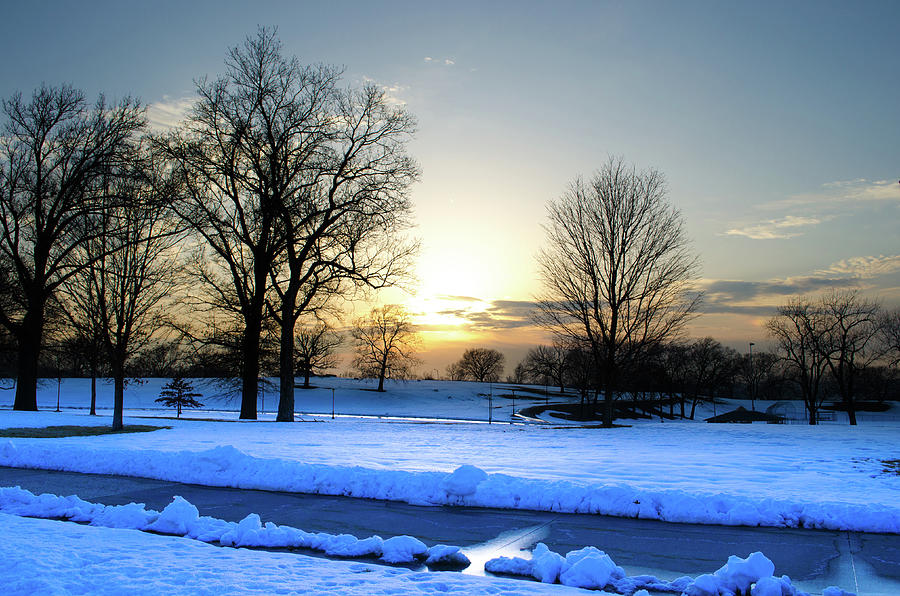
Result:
x=776 y=125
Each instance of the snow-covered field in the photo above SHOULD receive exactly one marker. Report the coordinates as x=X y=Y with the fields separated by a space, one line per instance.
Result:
x=830 y=476
x=826 y=477
x=442 y=399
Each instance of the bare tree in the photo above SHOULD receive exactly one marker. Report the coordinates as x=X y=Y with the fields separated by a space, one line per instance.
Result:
x=132 y=267
x=850 y=342
x=889 y=325
x=758 y=374
x=549 y=364
x=342 y=211
x=52 y=150
x=710 y=367
x=229 y=204
x=84 y=333
x=315 y=349
x=798 y=330
x=481 y=364
x=386 y=344
x=299 y=191
x=455 y=372
x=617 y=269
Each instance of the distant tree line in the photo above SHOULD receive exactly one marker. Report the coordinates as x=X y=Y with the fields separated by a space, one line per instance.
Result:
x=672 y=379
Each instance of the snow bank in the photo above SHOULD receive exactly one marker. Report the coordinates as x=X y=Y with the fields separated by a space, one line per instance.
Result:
x=181 y=518
x=467 y=485
x=52 y=557
x=588 y=567
x=593 y=569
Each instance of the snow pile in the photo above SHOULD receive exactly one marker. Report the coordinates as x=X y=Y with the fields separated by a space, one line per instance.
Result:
x=181 y=518
x=442 y=556
x=51 y=557
x=463 y=481
x=592 y=568
x=403 y=549
x=588 y=567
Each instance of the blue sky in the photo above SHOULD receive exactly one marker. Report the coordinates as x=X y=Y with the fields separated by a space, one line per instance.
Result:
x=776 y=124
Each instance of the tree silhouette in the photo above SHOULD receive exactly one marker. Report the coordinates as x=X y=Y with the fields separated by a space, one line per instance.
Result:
x=179 y=393
x=617 y=269
x=53 y=150
x=386 y=344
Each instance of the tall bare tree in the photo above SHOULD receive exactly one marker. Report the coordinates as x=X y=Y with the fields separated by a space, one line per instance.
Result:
x=617 y=270
x=53 y=149
x=229 y=202
x=798 y=330
x=342 y=214
x=890 y=335
x=850 y=342
x=386 y=344
x=132 y=269
x=299 y=191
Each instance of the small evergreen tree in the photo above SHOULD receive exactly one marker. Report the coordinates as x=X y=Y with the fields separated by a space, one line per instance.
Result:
x=179 y=393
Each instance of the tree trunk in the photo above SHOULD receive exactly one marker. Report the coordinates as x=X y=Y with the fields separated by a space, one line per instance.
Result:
x=306 y=374
x=250 y=356
x=286 y=360
x=381 y=374
x=29 y=337
x=93 y=390
x=851 y=411
x=118 y=395
x=608 y=384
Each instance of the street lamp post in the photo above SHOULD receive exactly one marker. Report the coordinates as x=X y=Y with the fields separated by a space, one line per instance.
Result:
x=752 y=380
x=491 y=404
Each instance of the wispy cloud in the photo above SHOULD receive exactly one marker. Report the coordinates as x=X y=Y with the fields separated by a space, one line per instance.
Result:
x=762 y=297
x=392 y=92
x=453 y=298
x=489 y=315
x=444 y=61
x=844 y=192
x=786 y=227
x=168 y=113
x=865 y=267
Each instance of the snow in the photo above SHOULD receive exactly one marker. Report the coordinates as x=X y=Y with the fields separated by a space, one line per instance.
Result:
x=738 y=575
x=772 y=475
x=593 y=569
x=463 y=481
x=181 y=518
x=785 y=476
x=53 y=557
x=460 y=400
x=403 y=549
x=587 y=567
x=446 y=557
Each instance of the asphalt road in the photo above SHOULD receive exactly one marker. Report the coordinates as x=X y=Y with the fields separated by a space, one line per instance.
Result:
x=868 y=564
